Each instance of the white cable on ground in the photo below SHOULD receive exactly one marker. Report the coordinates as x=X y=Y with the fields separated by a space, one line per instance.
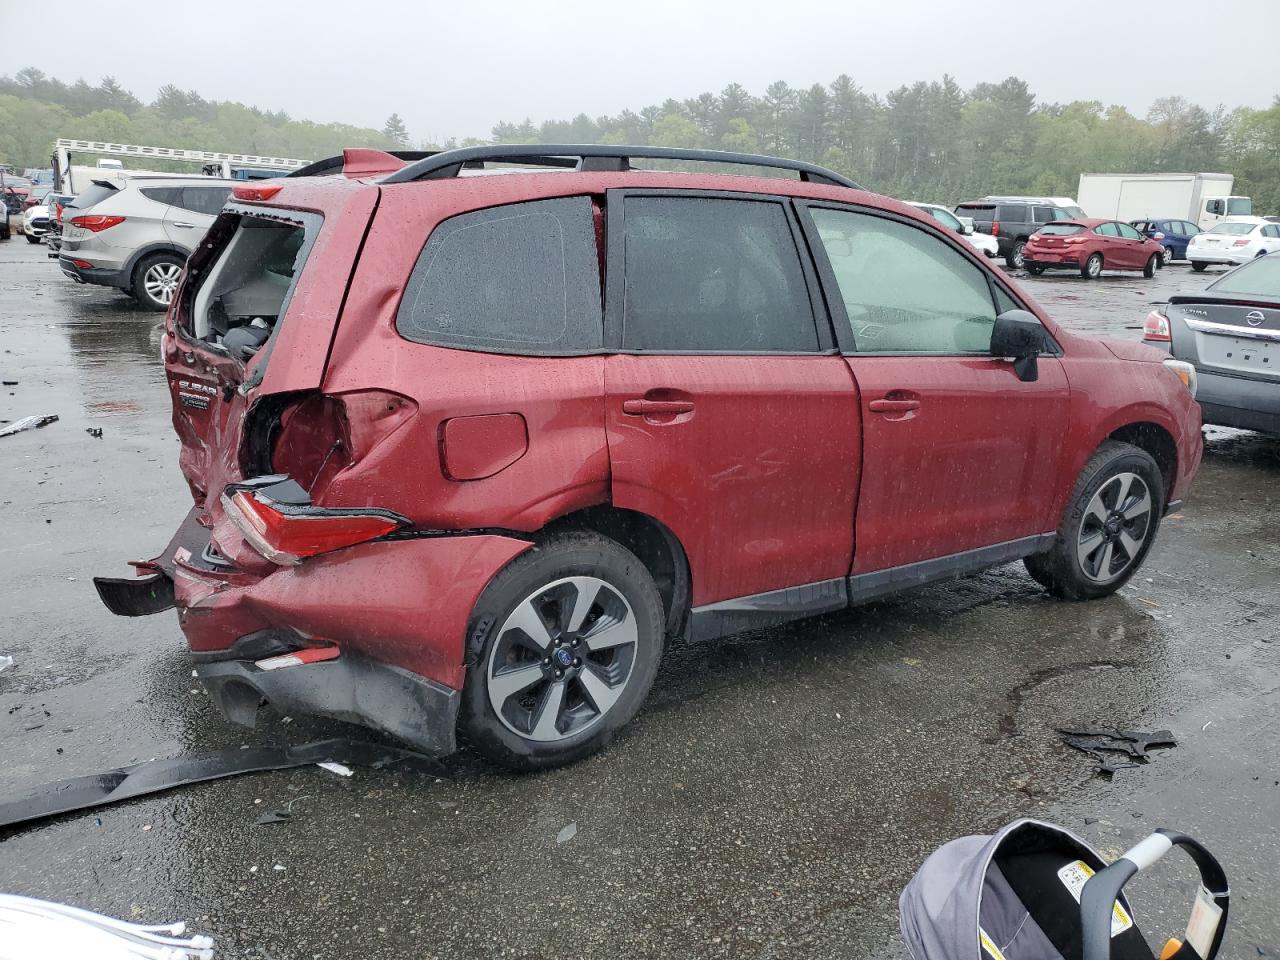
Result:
x=42 y=930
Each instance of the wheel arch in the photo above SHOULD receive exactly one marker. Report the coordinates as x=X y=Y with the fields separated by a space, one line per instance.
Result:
x=150 y=249
x=1158 y=442
x=651 y=541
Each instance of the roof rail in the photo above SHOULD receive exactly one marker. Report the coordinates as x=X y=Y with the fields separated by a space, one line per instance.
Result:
x=597 y=157
x=334 y=165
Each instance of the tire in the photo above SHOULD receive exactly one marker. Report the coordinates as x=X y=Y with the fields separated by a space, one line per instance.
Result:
x=1034 y=269
x=31 y=239
x=508 y=721
x=1092 y=268
x=1014 y=259
x=1198 y=266
x=1105 y=533
x=156 y=278
x=1149 y=270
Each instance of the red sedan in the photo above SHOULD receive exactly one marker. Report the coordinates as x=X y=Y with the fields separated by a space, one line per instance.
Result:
x=1091 y=246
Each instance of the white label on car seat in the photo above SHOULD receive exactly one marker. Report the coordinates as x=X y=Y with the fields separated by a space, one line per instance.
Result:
x=1075 y=875
x=1205 y=916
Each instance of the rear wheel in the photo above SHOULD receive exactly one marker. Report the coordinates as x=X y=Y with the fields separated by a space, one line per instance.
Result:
x=1198 y=266
x=1150 y=269
x=1108 y=528
x=156 y=278
x=563 y=648
x=1092 y=268
x=1014 y=259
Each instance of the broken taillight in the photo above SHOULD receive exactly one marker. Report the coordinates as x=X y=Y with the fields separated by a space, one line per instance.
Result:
x=287 y=533
x=96 y=223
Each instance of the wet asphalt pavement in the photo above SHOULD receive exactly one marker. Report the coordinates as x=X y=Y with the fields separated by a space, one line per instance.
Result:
x=770 y=801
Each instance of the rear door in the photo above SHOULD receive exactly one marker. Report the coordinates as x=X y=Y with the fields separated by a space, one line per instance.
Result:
x=191 y=212
x=730 y=418
x=958 y=453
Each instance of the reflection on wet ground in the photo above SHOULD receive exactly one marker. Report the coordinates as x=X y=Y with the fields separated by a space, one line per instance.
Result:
x=770 y=801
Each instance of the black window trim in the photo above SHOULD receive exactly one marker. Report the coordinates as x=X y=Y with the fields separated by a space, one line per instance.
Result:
x=615 y=200
x=831 y=287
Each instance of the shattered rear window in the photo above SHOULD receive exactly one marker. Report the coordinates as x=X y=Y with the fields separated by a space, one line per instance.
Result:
x=247 y=289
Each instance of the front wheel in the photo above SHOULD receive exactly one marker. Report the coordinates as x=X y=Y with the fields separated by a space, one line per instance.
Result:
x=1092 y=268
x=1035 y=269
x=1014 y=258
x=1198 y=266
x=563 y=648
x=31 y=239
x=1108 y=528
x=1150 y=269
x=156 y=279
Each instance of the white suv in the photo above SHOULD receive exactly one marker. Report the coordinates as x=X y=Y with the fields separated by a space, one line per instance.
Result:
x=136 y=233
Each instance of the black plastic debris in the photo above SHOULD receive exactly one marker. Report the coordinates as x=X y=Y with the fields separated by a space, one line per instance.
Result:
x=155 y=776
x=28 y=423
x=273 y=816
x=94 y=432
x=1099 y=741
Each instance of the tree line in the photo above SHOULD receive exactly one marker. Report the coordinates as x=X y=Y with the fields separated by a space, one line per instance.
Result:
x=36 y=109
x=925 y=141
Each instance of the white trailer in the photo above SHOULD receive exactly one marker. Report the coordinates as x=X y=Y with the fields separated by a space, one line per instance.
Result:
x=71 y=178
x=1203 y=198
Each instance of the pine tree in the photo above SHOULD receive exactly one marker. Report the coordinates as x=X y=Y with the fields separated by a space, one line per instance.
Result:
x=395 y=132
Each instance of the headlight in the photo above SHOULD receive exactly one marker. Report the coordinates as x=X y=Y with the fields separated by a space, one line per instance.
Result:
x=1186 y=373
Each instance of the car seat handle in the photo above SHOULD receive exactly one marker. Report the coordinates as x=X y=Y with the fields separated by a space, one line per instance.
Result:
x=1098 y=898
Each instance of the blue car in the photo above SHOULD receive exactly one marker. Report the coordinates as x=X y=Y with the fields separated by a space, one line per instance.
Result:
x=1177 y=234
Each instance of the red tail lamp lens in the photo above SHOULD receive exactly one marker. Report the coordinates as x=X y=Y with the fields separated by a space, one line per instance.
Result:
x=1156 y=327
x=95 y=223
x=287 y=537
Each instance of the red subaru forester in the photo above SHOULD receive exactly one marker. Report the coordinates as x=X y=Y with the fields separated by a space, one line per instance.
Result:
x=472 y=436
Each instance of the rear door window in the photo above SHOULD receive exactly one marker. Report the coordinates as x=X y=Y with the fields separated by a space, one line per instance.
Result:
x=1106 y=230
x=204 y=200
x=905 y=290
x=712 y=275
x=1015 y=213
x=1044 y=214
x=1127 y=231
x=521 y=278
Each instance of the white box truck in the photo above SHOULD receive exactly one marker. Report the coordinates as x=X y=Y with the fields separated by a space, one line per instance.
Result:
x=1203 y=198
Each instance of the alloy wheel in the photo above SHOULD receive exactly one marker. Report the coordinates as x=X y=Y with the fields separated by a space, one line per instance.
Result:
x=562 y=659
x=1115 y=526
x=161 y=280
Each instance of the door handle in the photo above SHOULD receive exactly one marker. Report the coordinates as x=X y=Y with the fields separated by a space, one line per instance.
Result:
x=183 y=223
x=893 y=406
x=649 y=408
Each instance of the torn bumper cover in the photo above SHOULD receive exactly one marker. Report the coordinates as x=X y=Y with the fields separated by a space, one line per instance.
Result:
x=390 y=615
x=377 y=695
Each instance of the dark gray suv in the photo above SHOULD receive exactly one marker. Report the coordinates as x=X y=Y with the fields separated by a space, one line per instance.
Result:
x=1011 y=222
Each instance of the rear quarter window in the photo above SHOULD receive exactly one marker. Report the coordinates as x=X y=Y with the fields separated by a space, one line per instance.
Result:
x=522 y=278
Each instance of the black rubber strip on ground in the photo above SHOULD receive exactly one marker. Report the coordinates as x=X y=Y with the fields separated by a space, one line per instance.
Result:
x=155 y=776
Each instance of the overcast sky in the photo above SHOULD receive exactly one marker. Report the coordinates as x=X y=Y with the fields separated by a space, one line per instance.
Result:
x=455 y=69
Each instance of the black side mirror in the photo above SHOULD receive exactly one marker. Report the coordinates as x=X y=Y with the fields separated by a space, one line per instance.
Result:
x=1017 y=334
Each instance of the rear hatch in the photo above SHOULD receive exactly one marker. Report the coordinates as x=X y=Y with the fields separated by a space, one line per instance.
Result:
x=981 y=214
x=1227 y=334
x=251 y=327
x=1053 y=235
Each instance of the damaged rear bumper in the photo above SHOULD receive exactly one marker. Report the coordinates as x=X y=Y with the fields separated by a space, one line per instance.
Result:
x=352 y=688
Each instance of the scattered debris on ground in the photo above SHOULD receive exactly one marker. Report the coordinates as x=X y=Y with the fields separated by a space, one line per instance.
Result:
x=94 y=432
x=28 y=423
x=5 y=663
x=1099 y=741
x=155 y=776
x=568 y=833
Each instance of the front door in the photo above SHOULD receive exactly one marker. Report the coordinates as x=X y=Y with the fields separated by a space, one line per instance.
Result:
x=958 y=453
x=730 y=417
x=1133 y=246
